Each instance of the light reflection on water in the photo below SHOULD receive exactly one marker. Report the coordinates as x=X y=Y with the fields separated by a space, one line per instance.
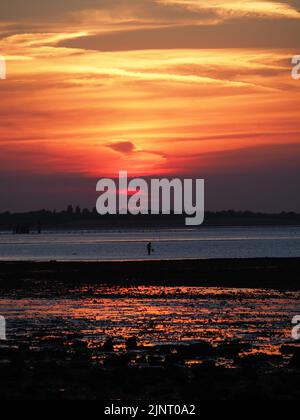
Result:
x=158 y=315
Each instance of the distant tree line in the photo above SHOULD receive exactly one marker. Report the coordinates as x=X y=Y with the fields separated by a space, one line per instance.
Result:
x=77 y=218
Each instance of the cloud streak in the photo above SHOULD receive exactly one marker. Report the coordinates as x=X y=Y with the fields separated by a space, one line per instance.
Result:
x=237 y=8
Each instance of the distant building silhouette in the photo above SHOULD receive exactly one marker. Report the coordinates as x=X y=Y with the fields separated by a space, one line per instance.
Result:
x=70 y=210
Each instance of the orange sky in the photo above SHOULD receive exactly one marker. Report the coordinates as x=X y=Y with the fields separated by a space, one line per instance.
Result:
x=150 y=86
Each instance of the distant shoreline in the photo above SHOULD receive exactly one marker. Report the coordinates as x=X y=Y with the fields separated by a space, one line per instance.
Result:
x=103 y=229
x=85 y=219
x=272 y=273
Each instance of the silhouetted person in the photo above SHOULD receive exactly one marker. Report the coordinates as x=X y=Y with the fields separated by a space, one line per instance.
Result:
x=149 y=248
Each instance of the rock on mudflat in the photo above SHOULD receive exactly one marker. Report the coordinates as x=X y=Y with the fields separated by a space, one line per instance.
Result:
x=200 y=349
x=108 y=346
x=131 y=344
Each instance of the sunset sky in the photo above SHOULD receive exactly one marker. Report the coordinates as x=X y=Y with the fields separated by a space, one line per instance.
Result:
x=156 y=87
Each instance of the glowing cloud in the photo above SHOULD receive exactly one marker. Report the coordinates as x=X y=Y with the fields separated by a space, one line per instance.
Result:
x=233 y=8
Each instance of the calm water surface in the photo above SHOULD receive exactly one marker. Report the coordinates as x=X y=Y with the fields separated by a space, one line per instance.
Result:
x=168 y=244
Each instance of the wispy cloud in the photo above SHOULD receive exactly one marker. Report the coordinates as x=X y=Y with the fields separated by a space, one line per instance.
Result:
x=236 y=8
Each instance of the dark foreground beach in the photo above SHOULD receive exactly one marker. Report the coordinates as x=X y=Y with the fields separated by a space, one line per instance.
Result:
x=159 y=330
x=278 y=273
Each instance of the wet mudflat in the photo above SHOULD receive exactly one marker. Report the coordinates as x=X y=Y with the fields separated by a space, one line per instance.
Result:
x=149 y=342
